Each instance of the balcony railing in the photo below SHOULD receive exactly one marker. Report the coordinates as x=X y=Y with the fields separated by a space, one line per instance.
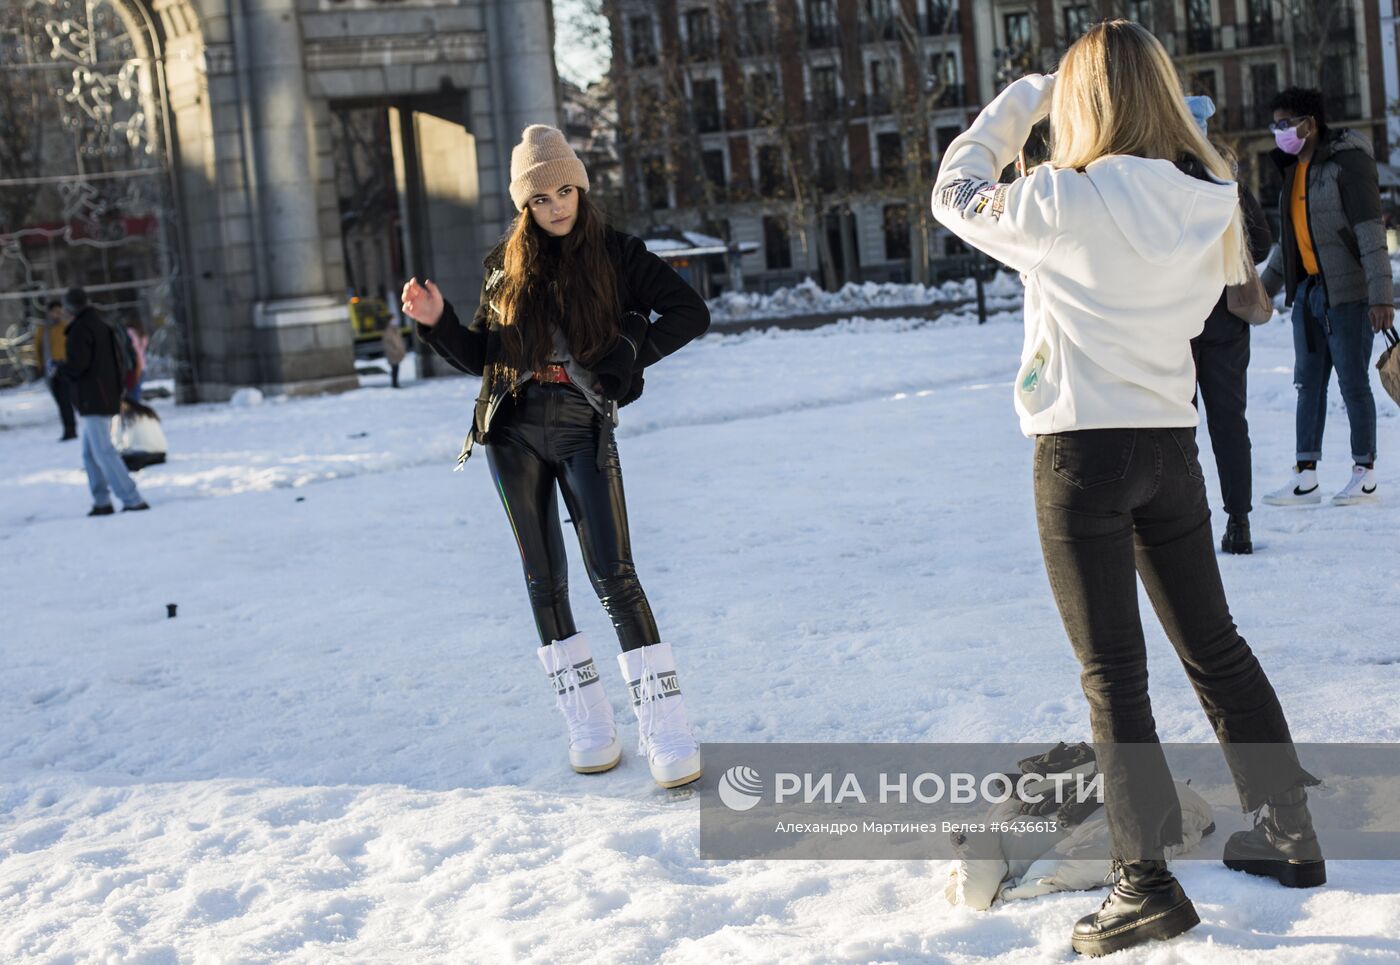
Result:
x=708 y=121
x=1258 y=33
x=821 y=35
x=823 y=105
x=1200 y=40
x=953 y=96
x=876 y=104
x=700 y=48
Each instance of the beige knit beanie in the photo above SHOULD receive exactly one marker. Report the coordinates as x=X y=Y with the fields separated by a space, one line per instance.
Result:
x=541 y=162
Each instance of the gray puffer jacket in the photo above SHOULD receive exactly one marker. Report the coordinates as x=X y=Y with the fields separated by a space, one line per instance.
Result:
x=1344 y=219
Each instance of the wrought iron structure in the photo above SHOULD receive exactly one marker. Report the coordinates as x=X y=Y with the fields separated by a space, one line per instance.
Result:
x=86 y=193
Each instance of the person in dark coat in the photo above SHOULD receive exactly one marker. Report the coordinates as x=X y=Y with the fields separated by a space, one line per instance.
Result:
x=94 y=370
x=1334 y=269
x=560 y=337
x=50 y=339
x=1221 y=352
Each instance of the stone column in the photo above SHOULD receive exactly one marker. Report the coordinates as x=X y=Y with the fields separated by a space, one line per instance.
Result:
x=302 y=327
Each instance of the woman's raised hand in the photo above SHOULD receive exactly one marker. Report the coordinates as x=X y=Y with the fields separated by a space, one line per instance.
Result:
x=422 y=303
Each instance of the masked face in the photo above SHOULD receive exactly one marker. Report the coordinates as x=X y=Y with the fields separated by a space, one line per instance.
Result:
x=1291 y=139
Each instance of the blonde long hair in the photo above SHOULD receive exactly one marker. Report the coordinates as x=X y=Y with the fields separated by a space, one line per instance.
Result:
x=1116 y=92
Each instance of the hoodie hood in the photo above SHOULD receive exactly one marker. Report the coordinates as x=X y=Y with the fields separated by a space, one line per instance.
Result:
x=1161 y=209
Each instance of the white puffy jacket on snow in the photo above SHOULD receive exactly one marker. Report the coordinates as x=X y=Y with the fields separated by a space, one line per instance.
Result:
x=1122 y=263
x=984 y=873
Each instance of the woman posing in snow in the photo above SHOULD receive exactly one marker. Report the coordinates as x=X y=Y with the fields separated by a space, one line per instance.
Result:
x=560 y=338
x=1124 y=241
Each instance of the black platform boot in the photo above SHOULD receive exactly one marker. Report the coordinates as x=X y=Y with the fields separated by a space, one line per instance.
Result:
x=1145 y=904
x=1282 y=845
x=1236 y=538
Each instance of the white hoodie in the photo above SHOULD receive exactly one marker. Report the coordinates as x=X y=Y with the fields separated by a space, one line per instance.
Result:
x=1122 y=263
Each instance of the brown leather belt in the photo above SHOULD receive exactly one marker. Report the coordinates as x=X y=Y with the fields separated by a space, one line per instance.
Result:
x=553 y=374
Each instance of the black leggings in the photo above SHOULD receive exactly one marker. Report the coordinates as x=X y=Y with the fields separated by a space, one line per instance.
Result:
x=546 y=434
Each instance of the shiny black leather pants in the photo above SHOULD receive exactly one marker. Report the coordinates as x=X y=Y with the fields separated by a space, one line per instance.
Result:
x=549 y=434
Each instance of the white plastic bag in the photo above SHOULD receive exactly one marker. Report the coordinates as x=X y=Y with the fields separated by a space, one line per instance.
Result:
x=138 y=437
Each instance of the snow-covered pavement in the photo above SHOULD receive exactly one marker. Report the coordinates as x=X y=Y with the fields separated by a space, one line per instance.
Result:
x=343 y=747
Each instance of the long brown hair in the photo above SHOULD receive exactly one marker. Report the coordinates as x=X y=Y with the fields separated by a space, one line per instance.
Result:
x=569 y=282
x=1117 y=92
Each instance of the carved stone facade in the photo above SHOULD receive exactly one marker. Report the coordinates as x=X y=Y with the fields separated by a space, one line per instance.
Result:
x=250 y=89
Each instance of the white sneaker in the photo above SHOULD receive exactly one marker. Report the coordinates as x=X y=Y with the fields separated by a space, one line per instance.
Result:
x=1301 y=490
x=664 y=730
x=1361 y=488
x=578 y=693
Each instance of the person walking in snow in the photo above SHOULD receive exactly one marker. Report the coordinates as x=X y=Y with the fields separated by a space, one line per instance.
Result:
x=1125 y=240
x=93 y=366
x=52 y=340
x=394 y=351
x=560 y=337
x=1334 y=269
x=1221 y=353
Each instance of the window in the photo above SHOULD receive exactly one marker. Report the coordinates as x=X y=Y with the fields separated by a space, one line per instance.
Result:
x=713 y=162
x=1141 y=11
x=879 y=19
x=1017 y=28
x=821 y=23
x=643 y=43
x=881 y=84
x=763 y=96
x=770 y=170
x=699 y=34
x=945 y=137
x=777 y=245
x=943 y=76
x=890 y=148
x=940 y=17
x=1078 y=19
x=658 y=195
x=758 y=26
x=704 y=105
x=1201 y=82
x=1259 y=24
x=824 y=96
x=1200 y=33
x=896 y=232
x=1263 y=86
x=828 y=163
x=649 y=111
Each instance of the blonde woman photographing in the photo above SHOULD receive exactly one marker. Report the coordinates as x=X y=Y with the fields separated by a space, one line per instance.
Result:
x=1125 y=240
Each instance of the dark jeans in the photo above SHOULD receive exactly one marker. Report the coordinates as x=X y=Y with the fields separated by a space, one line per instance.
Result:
x=62 y=391
x=1222 y=364
x=548 y=435
x=1327 y=337
x=1113 y=505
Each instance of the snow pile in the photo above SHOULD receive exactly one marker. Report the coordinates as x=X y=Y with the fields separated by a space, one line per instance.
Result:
x=809 y=298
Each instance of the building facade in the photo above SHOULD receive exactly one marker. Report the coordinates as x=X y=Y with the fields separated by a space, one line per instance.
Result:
x=813 y=127
x=191 y=173
x=806 y=128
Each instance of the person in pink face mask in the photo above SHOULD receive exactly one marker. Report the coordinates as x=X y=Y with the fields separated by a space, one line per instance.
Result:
x=1333 y=266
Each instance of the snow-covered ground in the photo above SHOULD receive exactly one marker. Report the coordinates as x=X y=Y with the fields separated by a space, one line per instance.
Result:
x=343 y=748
